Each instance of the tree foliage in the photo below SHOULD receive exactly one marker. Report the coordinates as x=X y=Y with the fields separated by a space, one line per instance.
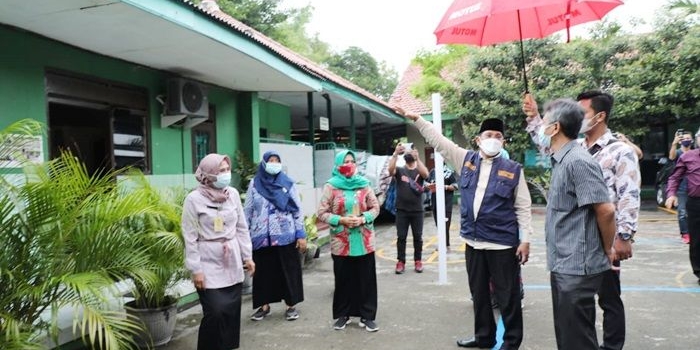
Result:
x=362 y=69
x=263 y=15
x=654 y=77
x=288 y=27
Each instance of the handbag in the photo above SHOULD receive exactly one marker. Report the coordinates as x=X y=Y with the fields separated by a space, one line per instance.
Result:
x=390 y=201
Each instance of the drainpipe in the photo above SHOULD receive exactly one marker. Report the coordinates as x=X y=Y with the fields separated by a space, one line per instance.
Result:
x=331 y=138
x=353 y=136
x=368 y=126
x=310 y=116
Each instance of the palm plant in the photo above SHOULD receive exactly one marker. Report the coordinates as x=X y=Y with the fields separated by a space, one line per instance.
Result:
x=67 y=237
x=161 y=240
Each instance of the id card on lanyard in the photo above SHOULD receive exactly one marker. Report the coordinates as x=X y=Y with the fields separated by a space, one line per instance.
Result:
x=218 y=220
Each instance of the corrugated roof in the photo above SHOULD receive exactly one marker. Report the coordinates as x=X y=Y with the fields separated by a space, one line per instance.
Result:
x=284 y=52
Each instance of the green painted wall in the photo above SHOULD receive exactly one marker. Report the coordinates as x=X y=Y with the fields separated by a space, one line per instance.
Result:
x=248 y=138
x=276 y=118
x=22 y=94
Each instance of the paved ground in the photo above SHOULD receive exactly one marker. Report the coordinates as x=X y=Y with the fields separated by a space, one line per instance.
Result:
x=661 y=296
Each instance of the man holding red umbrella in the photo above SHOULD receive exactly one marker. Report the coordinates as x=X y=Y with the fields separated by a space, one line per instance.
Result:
x=621 y=173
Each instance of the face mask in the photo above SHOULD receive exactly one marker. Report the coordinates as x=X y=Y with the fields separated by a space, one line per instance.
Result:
x=543 y=139
x=347 y=170
x=586 y=125
x=491 y=147
x=408 y=158
x=222 y=180
x=686 y=143
x=273 y=168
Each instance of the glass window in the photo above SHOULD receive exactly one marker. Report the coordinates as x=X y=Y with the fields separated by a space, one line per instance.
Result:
x=129 y=140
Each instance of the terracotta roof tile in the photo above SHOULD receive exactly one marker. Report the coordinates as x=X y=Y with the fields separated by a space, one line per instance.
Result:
x=402 y=94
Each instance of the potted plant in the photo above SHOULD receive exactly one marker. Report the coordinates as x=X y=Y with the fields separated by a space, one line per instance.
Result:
x=154 y=305
x=67 y=239
x=312 y=248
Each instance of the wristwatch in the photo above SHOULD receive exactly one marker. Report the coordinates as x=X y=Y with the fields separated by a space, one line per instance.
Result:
x=625 y=236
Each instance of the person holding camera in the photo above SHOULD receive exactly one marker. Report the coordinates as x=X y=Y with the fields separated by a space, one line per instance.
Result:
x=409 y=204
x=685 y=139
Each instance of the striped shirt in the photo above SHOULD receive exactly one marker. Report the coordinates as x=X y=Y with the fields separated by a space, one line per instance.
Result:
x=574 y=244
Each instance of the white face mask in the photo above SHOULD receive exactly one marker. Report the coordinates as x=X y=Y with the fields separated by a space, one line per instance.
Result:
x=543 y=139
x=587 y=125
x=273 y=168
x=222 y=180
x=491 y=146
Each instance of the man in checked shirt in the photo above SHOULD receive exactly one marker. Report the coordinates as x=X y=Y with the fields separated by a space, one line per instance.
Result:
x=619 y=164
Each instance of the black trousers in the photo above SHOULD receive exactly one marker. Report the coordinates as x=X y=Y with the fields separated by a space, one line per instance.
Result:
x=693 y=209
x=501 y=267
x=220 y=328
x=404 y=219
x=277 y=276
x=448 y=222
x=573 y=303
x=609 y=299
x=355 y=291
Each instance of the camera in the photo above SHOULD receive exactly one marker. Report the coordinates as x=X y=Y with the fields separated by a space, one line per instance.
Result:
x=408 y=147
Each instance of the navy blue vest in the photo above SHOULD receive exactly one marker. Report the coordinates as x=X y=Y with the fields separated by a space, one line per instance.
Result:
x=496 y=221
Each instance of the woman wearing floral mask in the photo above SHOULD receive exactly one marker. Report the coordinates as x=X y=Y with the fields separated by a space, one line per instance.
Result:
x=349 y=206
x=272 y=207
x=217 y=248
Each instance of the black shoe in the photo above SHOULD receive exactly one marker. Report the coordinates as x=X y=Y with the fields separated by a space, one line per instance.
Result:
x=472 y=343
x=260 y=314
x=369 y=325
x=341 y=322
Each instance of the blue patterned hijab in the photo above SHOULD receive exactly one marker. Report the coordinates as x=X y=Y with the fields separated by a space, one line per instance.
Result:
x=275 y=188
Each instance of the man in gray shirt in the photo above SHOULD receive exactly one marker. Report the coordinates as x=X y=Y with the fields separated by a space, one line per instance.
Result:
x=579 y=229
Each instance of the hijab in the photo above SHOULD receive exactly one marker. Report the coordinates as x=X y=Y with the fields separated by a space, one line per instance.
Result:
x=275 y=188
x=206 y=174
x=339 y=180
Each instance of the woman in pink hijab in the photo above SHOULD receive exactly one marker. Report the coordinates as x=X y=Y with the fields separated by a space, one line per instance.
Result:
x=217 y=248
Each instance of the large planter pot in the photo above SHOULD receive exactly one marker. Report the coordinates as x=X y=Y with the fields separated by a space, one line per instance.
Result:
x=159 y=323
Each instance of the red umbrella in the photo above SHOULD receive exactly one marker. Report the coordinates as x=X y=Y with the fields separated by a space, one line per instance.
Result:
x=487 y=22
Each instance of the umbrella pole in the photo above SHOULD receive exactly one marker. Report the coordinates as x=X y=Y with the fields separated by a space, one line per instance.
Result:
x=522 y=53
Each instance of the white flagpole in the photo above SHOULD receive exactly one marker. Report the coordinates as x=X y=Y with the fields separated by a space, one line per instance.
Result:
x=440 y=197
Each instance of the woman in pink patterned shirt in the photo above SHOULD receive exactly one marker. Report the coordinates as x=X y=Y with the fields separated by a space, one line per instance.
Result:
x=349 y=206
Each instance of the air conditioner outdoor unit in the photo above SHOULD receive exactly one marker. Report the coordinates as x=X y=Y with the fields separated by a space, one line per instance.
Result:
x=186 y=105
